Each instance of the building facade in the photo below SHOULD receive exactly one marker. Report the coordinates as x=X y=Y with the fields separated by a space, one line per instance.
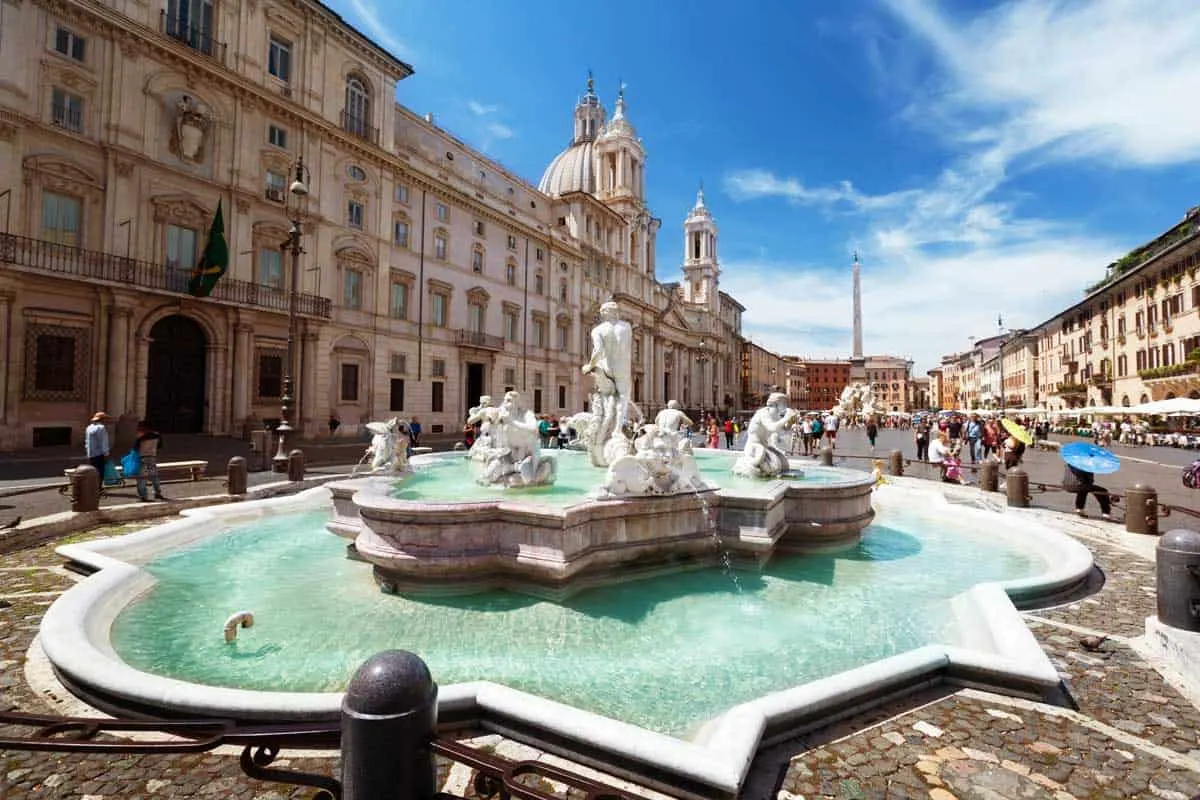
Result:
x=826 y=378
x=889 y=378
x=763 y=372
x=429 y=274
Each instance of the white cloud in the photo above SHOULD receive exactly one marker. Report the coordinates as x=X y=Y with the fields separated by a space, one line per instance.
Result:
x=373 y=25
x=1025 y=84
x=485 y=127
x=481 y=110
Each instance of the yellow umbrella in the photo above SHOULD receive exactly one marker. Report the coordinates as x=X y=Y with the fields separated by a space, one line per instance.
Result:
x=1019 y=433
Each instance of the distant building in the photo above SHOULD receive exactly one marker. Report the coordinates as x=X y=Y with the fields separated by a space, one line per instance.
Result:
x=826 y=378
x=889 y=377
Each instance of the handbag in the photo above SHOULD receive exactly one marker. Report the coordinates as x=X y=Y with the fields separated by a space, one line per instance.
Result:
x=111 y=476
x=131 y=464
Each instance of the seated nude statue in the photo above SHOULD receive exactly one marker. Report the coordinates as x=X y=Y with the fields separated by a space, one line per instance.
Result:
x=515 y=456
x=763 y=457
x=672 y=421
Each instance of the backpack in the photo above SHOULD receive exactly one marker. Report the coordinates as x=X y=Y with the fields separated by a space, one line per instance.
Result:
x=1191 y=475
x=817 y=426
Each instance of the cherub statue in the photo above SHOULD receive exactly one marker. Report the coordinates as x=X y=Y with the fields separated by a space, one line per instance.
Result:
x=484 y=415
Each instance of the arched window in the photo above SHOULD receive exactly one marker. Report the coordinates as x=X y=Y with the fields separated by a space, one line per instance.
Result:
x=356 y=118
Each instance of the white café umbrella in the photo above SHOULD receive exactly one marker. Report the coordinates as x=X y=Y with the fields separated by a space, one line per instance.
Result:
x=1176 y=405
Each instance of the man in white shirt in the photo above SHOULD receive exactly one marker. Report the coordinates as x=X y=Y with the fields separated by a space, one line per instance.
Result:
x=831 y=429
x=96 y=444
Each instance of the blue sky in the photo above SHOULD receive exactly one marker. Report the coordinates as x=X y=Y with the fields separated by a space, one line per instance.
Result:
x=983 y=158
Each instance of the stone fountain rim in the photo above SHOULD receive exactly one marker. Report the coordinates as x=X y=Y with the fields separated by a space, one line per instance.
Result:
x=1003 y=653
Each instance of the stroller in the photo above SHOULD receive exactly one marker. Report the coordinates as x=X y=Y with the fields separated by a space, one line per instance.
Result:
x=952 y=470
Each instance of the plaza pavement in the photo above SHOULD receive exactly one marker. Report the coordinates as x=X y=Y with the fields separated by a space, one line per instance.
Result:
x=1134 y=735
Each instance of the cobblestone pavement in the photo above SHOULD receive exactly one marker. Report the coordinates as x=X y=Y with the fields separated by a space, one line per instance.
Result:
x=1134 y=735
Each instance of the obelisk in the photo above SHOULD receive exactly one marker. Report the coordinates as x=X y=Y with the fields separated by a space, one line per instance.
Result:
x=858 y=364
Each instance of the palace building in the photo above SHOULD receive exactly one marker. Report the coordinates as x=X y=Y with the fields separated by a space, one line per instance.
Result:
x=429 y=273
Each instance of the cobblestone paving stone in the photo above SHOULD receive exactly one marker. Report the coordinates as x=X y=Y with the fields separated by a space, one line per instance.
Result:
x=959 y=745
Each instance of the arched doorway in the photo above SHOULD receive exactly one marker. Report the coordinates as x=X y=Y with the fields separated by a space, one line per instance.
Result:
x=175 y=375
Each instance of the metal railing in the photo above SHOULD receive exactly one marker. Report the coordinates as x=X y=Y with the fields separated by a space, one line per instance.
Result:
x=484 y=341
x=64 y=116
x=199 y=38
x=75 y=262
x=360 y=127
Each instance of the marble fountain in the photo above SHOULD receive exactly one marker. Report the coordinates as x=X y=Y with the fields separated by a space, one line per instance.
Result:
x=635 y=604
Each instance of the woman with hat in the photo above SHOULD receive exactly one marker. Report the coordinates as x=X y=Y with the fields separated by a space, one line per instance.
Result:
x=96 y=444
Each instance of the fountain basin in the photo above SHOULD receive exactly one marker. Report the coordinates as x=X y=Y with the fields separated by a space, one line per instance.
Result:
x=517 y=541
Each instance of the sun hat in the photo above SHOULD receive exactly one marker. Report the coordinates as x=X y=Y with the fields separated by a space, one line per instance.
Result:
x=99 y=416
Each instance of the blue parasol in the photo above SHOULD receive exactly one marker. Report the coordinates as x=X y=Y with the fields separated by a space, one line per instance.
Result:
x=1090 y=458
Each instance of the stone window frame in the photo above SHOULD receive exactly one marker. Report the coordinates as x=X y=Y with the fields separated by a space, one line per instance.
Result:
x=73 y=37
x=510 y=310
x=269 y=350
x=268 y=235
x=51 y=173
x=562 y=327
x=441 y=235
x=401 y=193
x=353 y=259
x=478 y=296
x=400 y=218
x=539 y=283
x=478 y=258
x=409 y=280
x=437 y=288
x=81 y=373
x=358 y=382
x=540 y=318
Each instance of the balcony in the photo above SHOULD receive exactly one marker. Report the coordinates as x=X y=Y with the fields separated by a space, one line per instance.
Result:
x=478 y=340
x=49 y=258
x=1185 y=371
x=1071 y=389
x=199 y=38
x=360 y=127
x=67 y=116
x=1102 y=379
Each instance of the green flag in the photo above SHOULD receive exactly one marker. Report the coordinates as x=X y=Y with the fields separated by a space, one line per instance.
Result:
x=213 y=261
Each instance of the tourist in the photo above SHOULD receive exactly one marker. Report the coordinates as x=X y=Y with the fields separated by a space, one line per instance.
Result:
x=921 y=437
x=543 y=427
x=146 y=445
x=96 y=445
x=872 y=431
x=468 y=435
x=714 y=434
x=991 y=437
x=974 y=433
x=552 y=432
x=1083 y=483
x=939 y=450
x=335 y=422
x=806 y=432
x=1014 y=451
x=414 y=433
x=728 y=429
x=831 y=428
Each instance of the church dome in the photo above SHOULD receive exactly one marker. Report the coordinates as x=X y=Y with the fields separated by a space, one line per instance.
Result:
x=570 y=171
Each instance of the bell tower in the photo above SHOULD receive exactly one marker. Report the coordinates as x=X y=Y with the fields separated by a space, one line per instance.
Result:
x=621 y=160
x=701 y=270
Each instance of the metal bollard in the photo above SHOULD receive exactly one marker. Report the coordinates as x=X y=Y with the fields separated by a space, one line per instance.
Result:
x=388 y=717
x=236 y=475
x=1141 y=510
x=1016 y=485
x=896 y=462
x=1177 y=564
x=827 y=456
x=295 y=465
x=85 y=489
x=989 y=476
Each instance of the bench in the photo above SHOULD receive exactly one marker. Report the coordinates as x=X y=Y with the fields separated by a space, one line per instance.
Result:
x=194 y=470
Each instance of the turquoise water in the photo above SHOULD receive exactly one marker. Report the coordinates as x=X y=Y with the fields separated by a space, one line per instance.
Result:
x=451 y=479
x=665 y=653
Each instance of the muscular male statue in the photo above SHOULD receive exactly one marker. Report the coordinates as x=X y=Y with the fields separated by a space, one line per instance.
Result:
x=611 y=365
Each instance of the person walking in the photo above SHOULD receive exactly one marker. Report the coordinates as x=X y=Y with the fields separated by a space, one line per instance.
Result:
x=872 y=431
x=414 y=433
x=728 y=430
x=1083 y=483
x=714 y=435
x=335 y=422
x=921 y=437
x=147 y=444
x=974 y=434
x=96 y=445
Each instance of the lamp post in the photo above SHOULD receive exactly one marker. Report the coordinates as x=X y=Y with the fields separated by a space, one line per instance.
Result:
x=702 y=358
x=1003 y=337
x=298 y=190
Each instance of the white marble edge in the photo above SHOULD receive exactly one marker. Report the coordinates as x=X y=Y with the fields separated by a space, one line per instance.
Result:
x=75 y=628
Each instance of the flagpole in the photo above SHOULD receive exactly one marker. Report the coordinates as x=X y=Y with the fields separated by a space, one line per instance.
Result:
x=299 y=189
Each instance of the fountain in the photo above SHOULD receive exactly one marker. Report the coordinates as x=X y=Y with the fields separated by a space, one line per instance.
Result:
x=820 y=620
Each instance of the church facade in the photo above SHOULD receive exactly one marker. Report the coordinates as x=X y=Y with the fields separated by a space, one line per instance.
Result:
x=429 y=275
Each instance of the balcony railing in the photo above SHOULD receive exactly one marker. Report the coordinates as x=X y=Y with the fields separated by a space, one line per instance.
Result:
x=68 y=117
x=75 y=262
x=198 y=38
x=360 y=127
x=484 y=341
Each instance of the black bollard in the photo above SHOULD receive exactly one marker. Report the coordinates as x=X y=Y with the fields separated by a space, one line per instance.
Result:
x=989 y=476
x=1141 y=510
x=896 y=463
x=85 y=488
x=295 y=465
x=236 y=475
x=827 y=456
x=388 y=717
x=1016 y=485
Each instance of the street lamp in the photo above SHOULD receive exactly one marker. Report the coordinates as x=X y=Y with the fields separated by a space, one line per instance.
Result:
x=299 y=190
x=1003 y=337
x=702 y=358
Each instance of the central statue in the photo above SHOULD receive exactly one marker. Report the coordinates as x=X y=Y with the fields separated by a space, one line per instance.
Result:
x=612 y=408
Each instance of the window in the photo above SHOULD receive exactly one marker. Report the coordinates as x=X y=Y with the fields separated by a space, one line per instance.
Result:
x=399 y=363
x=398 y=307
x=537 y=401
x=54 y=363
x=443 y=213
x=60 y=218
x=270 y=375
x=352 y=289
x=475 y=316
x=540 y=254
x=438 y=368
x=277 y=136
x=510 y=376
x=512 y=242
x=538 y=379
x=401 y=193
x=66 y=110
x=396 y=394
x=191 y=22
x=279 y=59
x=438 y=303
x=400 y=234
x=181 y=247
x=275 y=186
x=270 y=268
x=477 y=260
x=562 y=291
x=510 y=325
x=356 y=173
x=562 y=338
x=510 y=274
x=539 y=333
x=354 y=214
x=349 y=392
x=438 y=400
x=439 y=246
x=70 y=45
x=356 y=118
x=539 y=284
x=478 y=228
x=562 y=396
